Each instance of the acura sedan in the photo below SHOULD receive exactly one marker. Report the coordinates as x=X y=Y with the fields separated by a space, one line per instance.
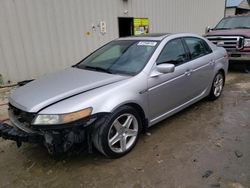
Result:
x=111 y=96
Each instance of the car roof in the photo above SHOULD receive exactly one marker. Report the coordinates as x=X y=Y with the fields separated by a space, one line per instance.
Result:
x=151 y=36
x=159 y=36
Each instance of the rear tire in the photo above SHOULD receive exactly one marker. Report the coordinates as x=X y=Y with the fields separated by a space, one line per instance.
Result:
x=217 y=87
x=118 y=132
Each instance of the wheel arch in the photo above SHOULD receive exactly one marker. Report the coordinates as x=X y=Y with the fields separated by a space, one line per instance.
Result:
x=141 y=112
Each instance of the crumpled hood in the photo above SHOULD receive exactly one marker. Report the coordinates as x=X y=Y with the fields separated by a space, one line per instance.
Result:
x=52 y=88
x=230 y=32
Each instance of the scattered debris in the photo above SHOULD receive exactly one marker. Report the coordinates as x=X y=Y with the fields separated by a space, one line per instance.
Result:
x=160 y=161
x=139 y=169
x=148 y=133
x=230 y=184
x=207 y=174
x=49 y=172
x=238 y=154
x=218 y=144
x=243 y=125
x=236 y=185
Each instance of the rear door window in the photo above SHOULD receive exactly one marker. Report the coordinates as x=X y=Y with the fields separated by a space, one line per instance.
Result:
x=197 y=47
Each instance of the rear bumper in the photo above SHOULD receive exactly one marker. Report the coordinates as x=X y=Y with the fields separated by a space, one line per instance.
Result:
x=239 y=56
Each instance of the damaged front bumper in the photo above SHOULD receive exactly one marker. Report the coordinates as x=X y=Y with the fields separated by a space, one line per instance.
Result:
x=15 y=134
x=57 y=139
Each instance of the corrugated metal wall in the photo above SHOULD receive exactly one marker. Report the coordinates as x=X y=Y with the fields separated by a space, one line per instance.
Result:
x=244 y=5
x=41 y=36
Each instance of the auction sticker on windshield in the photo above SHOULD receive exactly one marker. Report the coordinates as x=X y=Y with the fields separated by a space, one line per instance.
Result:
x=146 y=43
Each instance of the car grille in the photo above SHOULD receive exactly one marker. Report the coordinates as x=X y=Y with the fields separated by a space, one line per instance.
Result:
x=228 y=42
x=21 y=119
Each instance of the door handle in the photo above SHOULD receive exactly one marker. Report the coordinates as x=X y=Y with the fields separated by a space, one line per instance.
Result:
x=212 y=62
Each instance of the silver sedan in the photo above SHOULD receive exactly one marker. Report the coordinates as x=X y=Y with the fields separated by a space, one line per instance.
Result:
x=115 y=93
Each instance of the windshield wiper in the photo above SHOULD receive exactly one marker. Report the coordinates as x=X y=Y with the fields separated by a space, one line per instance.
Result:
x=241 y=27
x=97 y=69
x=220 y=28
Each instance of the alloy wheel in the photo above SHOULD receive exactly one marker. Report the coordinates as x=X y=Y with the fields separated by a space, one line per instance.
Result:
x=218 y=85
x=123 y=133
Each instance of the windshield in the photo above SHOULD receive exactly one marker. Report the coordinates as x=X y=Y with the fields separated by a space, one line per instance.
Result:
x=120 y=57
x=241 y=22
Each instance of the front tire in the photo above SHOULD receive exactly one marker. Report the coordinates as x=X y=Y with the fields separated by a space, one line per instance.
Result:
x=217 y=87
x=118 y=133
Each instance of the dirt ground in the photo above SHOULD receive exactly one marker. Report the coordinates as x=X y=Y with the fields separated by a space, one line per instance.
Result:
x=206 y=145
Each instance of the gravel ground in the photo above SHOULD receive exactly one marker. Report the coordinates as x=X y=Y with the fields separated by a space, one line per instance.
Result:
x=206 y=145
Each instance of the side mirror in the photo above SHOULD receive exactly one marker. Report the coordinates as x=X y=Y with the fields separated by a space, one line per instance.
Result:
x=165 y=68
x=207 y=30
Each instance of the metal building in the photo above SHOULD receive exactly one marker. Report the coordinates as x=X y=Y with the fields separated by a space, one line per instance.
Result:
x=41 y=36
x=234 y=7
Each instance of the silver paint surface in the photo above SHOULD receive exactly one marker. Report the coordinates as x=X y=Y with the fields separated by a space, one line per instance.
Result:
x=159 y=96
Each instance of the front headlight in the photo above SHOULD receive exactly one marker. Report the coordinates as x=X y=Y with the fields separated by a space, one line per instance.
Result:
x=247 y=43
x=55 y=119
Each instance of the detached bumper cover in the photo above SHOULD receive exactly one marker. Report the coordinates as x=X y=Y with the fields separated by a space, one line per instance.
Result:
x=56 y=141
x=12 y=133
x=57 y=138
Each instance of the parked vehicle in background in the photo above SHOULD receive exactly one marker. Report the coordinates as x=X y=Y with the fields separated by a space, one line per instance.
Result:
x=233 y=33
x=122 y=88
